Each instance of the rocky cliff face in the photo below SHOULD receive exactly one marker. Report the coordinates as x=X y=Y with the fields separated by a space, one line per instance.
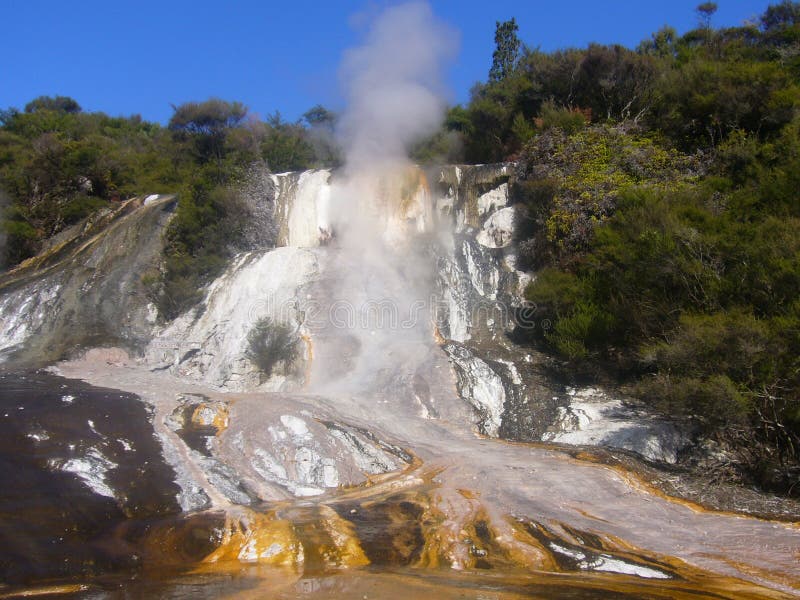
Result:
x=371 y=442
x=479 y=293
x=87 y=290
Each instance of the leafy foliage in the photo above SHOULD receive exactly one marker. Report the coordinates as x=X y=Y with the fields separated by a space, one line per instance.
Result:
x=695 y=89
x=59 y=164
x=667 y=235
x=58 y=104
x=269 y=344
x=507 y=46
x=587 y=171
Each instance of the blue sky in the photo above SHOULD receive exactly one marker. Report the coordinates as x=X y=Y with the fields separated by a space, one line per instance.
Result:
x=125 y=57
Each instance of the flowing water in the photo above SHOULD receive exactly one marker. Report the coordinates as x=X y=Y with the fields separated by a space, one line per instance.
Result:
x=394 y=456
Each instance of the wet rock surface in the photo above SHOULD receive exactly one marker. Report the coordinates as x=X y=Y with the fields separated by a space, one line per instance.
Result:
x=210 y=343
x=374 y=454
x=75 y=461
x=87 y=290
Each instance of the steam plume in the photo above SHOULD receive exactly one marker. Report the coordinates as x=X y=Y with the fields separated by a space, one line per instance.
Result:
x=394 y=98
x=393 y=85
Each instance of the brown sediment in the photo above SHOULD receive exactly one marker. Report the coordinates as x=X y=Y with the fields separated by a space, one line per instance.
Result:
x=45 y=590
x=445 y=539
x=637 y=481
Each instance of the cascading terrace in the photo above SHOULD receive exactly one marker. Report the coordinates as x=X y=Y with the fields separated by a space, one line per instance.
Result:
x=372 y=444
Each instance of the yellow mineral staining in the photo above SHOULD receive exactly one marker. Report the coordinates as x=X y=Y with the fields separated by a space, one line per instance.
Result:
x=458 y=533
x=519 y=548
x=414 y=193
x=336 y=542
x=433 y=553
x=314 y=538
x=447 y=533
x=451 y=532
x=405 y=198
x=437 y=335
x=48 y=590
x=469 y=494
x=586 y=513
x=415 y=521
x=254 y=537
x=791 y=582
x=211 y=414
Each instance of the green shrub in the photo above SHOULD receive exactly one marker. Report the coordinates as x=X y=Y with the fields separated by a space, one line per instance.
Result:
x=80 y=207
x=557 y=117
x=207 y=229
x=582 y=332
x=270 y=343
x=557 y=292
x=19 y=239
x=533 y=200
x=715 y=401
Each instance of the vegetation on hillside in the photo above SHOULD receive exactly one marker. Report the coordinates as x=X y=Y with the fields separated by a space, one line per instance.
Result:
x=658 y=199
x=656 y=193
x=59 y=164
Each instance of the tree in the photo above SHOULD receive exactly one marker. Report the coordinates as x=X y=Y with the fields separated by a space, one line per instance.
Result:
x=208 y=122
x=58 y=104
x=662 y=43
x=777 y=16
x=319 y=116
x=207 y=118
x=285 y=146
x=507 y=48
x=705 y=11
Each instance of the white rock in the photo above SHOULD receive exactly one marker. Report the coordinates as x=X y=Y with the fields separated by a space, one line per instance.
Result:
x=498 y=230
x=481 y=386
x=213 y=347
x=92 y=469
x=493 y=199
x=592 y=418
x=296 y=425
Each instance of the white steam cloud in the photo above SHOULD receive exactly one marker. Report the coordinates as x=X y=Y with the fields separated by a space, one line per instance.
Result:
x=394 y=98
x=393 y=85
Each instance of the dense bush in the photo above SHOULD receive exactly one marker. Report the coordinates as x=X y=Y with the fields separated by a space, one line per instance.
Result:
x=59 y=164
x=695 y=89
x=271 y=343
x=693 y=292
x=667 y=243
x=577 y=180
